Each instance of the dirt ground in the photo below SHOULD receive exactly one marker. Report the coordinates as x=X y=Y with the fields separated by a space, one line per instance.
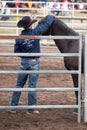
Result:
x=48 y=119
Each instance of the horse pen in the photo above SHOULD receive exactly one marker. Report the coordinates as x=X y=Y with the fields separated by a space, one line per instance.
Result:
x=48 y=119
x=55 y=92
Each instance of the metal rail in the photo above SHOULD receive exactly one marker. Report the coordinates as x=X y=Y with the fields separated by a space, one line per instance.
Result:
x=78 y=106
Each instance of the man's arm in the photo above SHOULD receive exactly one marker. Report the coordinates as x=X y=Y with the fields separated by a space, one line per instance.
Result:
x=46 y=23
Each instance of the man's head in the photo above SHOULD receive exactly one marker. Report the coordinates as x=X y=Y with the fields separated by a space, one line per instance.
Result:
x=25 y=22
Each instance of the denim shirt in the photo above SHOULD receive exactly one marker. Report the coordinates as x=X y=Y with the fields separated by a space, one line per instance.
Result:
x=32 y=45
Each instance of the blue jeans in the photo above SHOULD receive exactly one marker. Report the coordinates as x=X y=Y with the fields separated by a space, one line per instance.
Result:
x=27 y=64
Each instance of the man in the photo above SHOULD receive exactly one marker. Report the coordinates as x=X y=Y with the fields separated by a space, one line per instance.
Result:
x=29 y=63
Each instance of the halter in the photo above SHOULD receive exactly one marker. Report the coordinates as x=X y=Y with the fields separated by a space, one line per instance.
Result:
x=50 y=30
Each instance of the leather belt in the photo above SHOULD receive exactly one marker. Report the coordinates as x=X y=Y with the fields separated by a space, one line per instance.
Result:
x=33 y=59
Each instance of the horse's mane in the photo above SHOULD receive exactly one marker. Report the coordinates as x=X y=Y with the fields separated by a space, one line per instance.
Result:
x=64 y=27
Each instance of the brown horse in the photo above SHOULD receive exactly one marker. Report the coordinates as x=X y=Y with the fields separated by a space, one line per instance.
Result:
x=66 y=46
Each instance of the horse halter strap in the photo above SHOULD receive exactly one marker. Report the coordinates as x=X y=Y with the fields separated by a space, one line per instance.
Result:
x=51 y=30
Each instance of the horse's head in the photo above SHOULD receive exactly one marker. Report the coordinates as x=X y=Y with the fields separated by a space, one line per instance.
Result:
x=49 y=30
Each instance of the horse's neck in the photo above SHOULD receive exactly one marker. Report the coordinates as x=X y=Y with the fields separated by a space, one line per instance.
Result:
x=61 y=45
x=66 y=45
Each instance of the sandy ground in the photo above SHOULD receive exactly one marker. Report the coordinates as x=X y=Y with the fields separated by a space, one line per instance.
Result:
x=48 y=119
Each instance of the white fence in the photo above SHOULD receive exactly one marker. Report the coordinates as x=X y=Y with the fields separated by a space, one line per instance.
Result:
x=85 y=80
x=57 y=55
x=14 y=15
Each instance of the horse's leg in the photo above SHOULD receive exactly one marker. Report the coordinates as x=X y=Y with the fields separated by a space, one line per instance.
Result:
x=75 y=81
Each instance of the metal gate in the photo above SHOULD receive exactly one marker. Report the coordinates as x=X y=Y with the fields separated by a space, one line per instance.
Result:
x=78 y=106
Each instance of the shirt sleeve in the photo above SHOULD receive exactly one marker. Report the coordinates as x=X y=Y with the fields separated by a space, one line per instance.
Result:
x=44 y=26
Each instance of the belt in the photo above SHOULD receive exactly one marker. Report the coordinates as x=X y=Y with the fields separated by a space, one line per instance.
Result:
x=33 y=59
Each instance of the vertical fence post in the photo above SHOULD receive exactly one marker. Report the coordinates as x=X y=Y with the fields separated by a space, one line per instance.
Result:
x=79 y=79
x=85 y=80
